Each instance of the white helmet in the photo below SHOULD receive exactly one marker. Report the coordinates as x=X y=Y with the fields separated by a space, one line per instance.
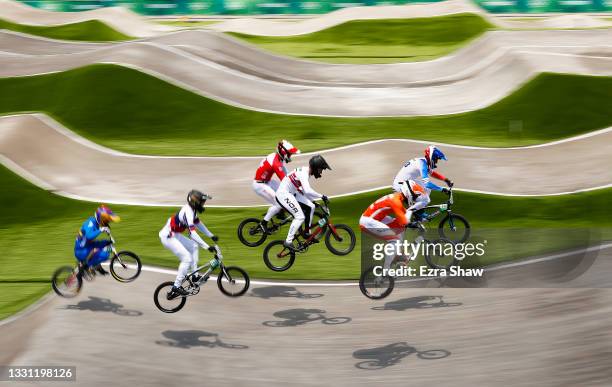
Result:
x=411 y=190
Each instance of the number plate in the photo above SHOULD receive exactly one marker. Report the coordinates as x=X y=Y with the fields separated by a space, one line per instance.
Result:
x=322 y=222
x=443 y=207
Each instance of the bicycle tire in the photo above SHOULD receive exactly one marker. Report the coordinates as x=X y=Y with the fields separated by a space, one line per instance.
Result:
x=351 y=235
x=57 y=289
x=456 y=218
x=245 y=277
x=251 y=222
x=115 y=260
x=269 y=263
x=156 y=295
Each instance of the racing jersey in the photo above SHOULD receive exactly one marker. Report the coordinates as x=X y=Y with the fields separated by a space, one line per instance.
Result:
x=187 y=219
x=392 y=204
x=297 y=182
x=418 y=170
x=87 y=233
x=270 y=166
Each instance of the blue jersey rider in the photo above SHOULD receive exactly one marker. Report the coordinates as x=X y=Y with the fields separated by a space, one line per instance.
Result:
x=91 y=252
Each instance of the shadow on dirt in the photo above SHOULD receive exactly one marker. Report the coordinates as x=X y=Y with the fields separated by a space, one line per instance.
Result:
x=389 y=355
x=193 y=338
x=282 y=291
x=295 y=317
x=420 y=302
x=97 y=304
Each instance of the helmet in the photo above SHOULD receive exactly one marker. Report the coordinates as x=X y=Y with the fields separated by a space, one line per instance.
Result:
x=317 y=164
x=411 y=190
x=285 y=150
x=197 y=199
x=432 y=155
x=105 y=215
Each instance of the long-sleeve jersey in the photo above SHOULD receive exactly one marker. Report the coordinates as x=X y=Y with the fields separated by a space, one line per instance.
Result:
x=88 y=232
x=187 y=219
x=388 y=205
x=418 y=170
x=297 y=182
x=270 y=166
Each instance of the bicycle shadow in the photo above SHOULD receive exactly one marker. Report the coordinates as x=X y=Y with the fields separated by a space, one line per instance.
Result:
x=97 y=304
x=192 y=338
x=268 y=292
x=391 y=354
x=296 y=317
x=420 y=302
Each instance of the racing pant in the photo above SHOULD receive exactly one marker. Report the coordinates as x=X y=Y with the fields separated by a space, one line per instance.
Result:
x=268 y=192
x=300 y=207
x=94 y=258
x=386 y=229
x=184 y=248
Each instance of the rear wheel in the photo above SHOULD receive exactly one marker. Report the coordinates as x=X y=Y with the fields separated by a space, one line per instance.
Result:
x=250 y=232
x=125 y=266
x=375 y=287
x=235 y=283
x=165 y=303
x=278 y=257
x=342 y=242
x=66 y=282
x=455 y=228
x=438 y=254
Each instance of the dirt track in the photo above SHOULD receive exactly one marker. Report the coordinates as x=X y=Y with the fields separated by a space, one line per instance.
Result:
x=308 y=335
x=42 y=148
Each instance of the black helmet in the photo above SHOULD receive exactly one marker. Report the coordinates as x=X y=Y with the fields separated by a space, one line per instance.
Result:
x=197 y=199
x=317 y=164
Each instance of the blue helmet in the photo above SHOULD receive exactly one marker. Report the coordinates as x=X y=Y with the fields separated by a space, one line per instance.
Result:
x=432 y=155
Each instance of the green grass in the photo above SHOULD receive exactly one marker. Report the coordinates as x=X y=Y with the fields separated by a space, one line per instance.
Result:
x=379 y=41
x=17 y=296
x=91 y=30
x=134 y=112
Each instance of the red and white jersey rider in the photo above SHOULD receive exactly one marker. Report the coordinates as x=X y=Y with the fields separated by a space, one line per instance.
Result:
x=274 y=164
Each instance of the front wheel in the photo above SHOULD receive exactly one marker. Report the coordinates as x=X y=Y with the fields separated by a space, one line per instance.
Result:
x=233 y=281
x=340 y=239
x=66 y=282
x=125 y=266
x=165 y=303
x=455 y=228
x=375 y=287
x=278 y=257
x=250 y=232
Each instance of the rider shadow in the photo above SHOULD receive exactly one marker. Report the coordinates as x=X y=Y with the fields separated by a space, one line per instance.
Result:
x=192 y=338
x=421 y=302
x=97 y=304
x=268 y=292
x=295 y=317
x=389 y=355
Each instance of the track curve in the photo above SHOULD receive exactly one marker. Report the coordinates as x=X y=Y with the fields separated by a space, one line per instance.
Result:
x=243 y=90
x=492 y=49
x=45 y=152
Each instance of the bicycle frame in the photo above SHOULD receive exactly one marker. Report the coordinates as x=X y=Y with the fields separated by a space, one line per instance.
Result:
x=322 y=225
x=209 y=269
x=440 y=208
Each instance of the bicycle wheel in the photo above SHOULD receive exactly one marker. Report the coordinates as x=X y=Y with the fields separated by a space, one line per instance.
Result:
x=277 y=257
x=125 y=266
x=250 y=233
x=336 y=320
x=66 y=282
x=160 y=297
x=343 y=243
x=433 y=354
x=438 y=255
x=235 y=284
x=373 y=286
x=455 y=228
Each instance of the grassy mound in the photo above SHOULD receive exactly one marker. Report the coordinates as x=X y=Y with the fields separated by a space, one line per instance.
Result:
x=379 y=41
x=91 y=30
x=134 y=112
